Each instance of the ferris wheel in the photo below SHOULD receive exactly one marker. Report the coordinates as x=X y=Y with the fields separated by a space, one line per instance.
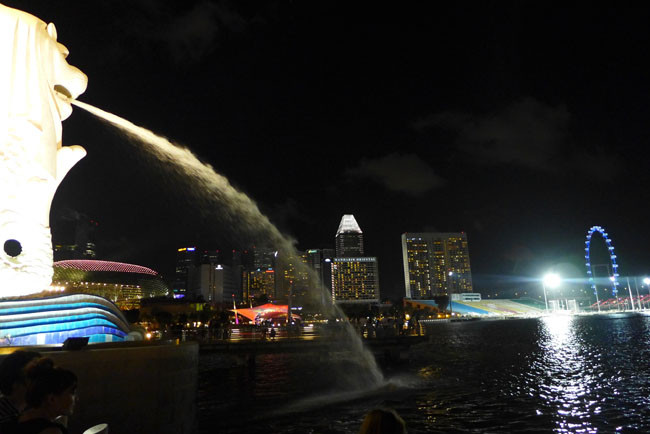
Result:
x=612 y=258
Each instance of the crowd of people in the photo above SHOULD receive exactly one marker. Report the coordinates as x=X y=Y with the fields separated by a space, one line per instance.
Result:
x=37 y=396
x=371 y=328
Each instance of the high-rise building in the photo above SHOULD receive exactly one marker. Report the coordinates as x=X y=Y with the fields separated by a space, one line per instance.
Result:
x=260 y=282
x=263 y=257
x=237 y=268
x=292 y=277
x=436 y=264
x=216 y=283
x=211 y=257
x=320 y=260
x=349 y=238
x=259 y=276
x=355 y=278
x=84 y=246
x=185 y=278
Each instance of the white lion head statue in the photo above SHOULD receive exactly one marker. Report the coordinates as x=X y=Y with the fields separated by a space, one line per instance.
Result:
x=36 y=84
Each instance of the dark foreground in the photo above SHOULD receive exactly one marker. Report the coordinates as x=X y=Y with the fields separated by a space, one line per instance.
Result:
x=561 y=374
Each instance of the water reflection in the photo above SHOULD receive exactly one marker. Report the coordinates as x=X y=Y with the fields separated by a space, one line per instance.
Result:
x=565 y=378
x=557 y=374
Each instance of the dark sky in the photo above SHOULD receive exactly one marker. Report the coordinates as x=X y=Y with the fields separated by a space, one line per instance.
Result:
x=522 y=124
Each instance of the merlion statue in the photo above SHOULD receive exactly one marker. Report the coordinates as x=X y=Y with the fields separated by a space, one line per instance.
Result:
x=36 y=85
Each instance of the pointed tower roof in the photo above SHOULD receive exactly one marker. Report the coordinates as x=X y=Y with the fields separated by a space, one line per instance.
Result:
x=348 y=225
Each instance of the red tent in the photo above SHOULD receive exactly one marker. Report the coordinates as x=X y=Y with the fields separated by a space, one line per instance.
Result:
x=265 y=312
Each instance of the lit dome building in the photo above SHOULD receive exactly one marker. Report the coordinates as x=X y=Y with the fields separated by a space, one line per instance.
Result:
x=123 y=284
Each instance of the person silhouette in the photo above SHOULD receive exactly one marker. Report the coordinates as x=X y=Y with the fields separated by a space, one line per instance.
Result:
x=13 y=385
x=51 y=393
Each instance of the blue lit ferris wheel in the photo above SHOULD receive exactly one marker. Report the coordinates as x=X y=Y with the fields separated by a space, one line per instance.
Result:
x=612 y=257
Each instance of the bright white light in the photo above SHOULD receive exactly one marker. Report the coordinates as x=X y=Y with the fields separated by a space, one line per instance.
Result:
x=646 y=280
x=552 y=280
x=612 y=278
x=451 y=273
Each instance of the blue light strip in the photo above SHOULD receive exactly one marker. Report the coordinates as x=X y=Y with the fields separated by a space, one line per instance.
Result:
x=53 y=320
x=62 y=326
x=48 y=320
x=49 y=308
x=64 y=313
x=96 y=334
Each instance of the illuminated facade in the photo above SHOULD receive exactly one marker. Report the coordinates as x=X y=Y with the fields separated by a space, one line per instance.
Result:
x=349 y=238
x=436 y=264
x=355 y=280
x=293 y=279
x=260 y=282
x=47 y=321
x=123 y=284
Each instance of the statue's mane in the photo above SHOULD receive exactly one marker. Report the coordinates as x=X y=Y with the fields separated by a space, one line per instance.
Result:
x=32 y=63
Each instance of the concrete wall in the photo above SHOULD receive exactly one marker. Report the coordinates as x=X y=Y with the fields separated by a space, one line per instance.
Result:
x=135 y=387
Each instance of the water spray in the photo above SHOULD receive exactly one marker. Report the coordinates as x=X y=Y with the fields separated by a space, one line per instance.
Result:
x=241 y=211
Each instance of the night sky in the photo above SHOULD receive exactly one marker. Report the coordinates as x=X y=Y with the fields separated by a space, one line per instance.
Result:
x=522 y=124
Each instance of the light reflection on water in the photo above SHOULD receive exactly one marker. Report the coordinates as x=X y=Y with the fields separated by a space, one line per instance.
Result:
x=565 y=379
x=554 y=374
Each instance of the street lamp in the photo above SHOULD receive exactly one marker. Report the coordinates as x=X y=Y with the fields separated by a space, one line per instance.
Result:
x=551 y=280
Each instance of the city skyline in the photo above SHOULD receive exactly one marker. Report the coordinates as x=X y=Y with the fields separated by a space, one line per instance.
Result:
x=186 y=278
x=488 y=119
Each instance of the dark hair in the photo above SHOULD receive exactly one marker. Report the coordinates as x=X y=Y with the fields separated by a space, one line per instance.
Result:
x=45 y=379
x=12 y=369
x=383 y=421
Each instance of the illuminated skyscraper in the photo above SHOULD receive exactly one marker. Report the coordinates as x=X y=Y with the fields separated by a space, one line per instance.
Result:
x=349 y=238
x=185 y=279
x=355 y=278
x=436 y=264
x=260 y=282
x=292 y=277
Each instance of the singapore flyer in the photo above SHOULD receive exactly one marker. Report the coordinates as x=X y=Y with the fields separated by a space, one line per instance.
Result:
x=612 y=257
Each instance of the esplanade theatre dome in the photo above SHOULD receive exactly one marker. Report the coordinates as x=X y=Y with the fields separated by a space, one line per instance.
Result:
x=123 y=284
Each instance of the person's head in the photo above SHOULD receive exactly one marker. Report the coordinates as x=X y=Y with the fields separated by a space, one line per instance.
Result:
x=383 y=421
x=50 y=388
x=12 y=375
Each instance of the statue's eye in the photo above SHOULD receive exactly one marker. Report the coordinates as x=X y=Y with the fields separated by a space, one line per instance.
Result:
x=13 y=248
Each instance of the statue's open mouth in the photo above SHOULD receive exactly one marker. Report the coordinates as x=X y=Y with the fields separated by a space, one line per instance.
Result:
x=63 y=91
